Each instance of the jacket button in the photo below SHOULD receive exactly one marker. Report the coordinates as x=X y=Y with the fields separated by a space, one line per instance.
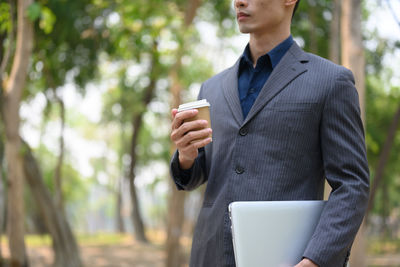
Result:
x=243 y=131
x=239 y=170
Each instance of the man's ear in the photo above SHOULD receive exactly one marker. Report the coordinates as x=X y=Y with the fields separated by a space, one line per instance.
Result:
x=290 y=2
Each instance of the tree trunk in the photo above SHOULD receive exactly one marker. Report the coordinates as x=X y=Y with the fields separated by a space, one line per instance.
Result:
x=334 y=38
x=137 y=220
x=385 y=209
x=353 y=58
x=12 y=97
x=66 y=251
x=334 y=56
x=58 y=196
x=119 y=219
x=313 y=32
x=1 y=205
x=137 y=122
x=4 y=58
x=2 y=191
x=352 y=46
x=176 y=203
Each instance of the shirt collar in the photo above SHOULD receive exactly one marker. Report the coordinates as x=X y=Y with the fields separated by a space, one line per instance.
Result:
x=274 y=56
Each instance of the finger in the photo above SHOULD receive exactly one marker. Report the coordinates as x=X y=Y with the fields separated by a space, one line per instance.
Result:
x=187 y=127
x=202 y=143
x=190 y=126
x=177 y=135
x=181 y=116
x=173 y=112
x=194 y=136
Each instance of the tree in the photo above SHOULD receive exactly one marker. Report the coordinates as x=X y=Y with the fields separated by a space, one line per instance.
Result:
x=137 y=122
x=352 y=46
x=177 y=199
x=2 y=201
x=312 y=25
x=353 y=58
x=14 y=86
x=6 y=12
x=65 y=247
x=334 y=36
x=66 y=43
x=134 y=102
x=56 y=52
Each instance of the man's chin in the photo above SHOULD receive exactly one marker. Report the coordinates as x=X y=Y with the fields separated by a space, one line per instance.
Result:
x=244 y=29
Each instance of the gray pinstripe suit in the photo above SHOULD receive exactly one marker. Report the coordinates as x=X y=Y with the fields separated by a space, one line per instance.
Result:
x=304 y=127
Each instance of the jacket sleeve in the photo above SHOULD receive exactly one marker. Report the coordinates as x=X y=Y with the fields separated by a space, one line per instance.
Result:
x=346 y=170
x=188 y=179
x=195 y=176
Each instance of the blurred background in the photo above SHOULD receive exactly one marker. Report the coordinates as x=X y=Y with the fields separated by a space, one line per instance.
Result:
x=86 y=88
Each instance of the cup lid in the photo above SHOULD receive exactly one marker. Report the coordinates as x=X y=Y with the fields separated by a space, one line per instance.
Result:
x=196 y=104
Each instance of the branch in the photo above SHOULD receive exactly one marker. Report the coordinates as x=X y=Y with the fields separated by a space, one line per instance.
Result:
x=190 y=12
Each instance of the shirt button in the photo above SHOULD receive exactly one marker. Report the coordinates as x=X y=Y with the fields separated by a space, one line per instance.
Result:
x=239 y=170
x=243 y=131
x=252 y=90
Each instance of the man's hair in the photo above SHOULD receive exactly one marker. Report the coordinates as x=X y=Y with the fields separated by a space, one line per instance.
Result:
x=295 y=7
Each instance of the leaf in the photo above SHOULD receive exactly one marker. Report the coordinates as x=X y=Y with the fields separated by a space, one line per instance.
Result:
x=34 y=11
x=47 y=20
x=4 y=17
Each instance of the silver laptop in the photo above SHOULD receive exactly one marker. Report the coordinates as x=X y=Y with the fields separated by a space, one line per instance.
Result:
x=272 y=233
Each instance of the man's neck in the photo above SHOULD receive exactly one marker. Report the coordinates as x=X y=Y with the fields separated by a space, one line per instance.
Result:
x=260 y=44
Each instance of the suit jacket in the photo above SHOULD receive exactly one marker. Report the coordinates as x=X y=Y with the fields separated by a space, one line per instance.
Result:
x=303 y=128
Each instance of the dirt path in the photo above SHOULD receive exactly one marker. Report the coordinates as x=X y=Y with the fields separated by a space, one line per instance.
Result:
x=139 y=255
x=107 y=256
x=384 y=260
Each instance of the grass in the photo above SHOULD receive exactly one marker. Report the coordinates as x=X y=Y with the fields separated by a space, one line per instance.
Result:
x=156 y=237
x=375 y=246
x=83 y=239
x=383 y=246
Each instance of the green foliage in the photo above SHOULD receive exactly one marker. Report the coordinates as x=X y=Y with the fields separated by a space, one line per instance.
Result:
x=67 y=41
x=74 y=187
x=221 y=14
x=83 y=239
x=382 y=247
x=47 y=20
x=127 y=45
x=382 y=101
x=5 y=23
x=311 y=23
x=34 y=11
x=381 y=106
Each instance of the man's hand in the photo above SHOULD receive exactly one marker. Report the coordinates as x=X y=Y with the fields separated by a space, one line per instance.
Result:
x=306 y=263
x=187 y=137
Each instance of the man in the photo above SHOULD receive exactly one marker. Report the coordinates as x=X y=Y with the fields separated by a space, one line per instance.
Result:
x=282 y=121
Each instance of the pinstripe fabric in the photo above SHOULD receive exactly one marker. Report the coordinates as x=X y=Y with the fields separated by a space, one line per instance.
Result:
x=304 y=126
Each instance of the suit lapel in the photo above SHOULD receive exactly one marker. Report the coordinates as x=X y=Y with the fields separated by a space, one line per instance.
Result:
x=290 y=67
x=231 y=92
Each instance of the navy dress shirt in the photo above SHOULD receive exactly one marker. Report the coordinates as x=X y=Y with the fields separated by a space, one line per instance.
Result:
x=251 y=80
